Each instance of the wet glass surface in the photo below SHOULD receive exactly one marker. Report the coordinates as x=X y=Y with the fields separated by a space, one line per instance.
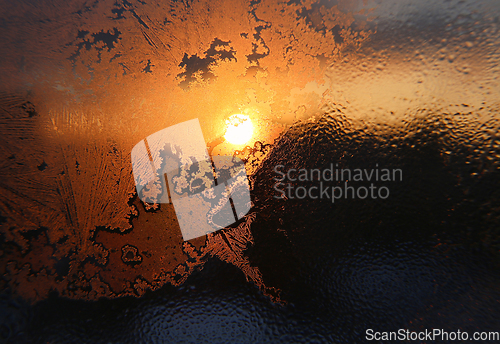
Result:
x=403 y=96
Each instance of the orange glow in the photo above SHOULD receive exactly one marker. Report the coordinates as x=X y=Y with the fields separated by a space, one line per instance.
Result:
x=239 y=129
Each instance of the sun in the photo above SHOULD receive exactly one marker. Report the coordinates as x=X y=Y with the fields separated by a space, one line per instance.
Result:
x=239 y=129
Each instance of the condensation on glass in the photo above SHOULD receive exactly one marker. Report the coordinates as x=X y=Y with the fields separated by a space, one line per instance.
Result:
x=83 y=84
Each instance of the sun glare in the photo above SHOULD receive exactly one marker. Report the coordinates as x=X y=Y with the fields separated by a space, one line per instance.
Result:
x=239 y=129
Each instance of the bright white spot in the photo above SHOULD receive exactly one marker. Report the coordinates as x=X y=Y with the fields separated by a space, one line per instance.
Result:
x=239 y=129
